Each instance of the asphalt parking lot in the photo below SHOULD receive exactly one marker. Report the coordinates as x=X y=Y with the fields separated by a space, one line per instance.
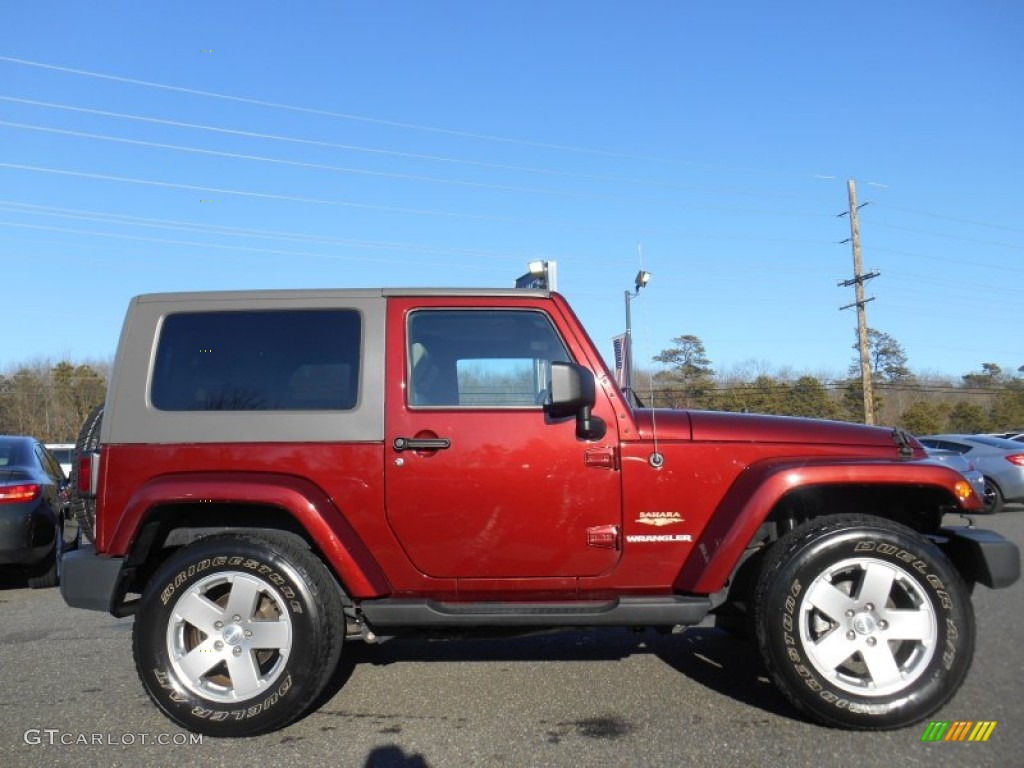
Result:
x=70 y=696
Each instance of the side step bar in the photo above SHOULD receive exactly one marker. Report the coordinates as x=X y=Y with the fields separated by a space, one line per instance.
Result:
x=623 y=611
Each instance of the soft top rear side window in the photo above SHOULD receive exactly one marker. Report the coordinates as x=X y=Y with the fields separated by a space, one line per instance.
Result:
x=274 y=360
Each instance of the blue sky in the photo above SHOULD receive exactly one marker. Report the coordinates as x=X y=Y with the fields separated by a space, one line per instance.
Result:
x=185 y=145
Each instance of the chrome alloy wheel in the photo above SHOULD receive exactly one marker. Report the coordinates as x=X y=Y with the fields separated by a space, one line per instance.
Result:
x=868 y=627
x=229 y=637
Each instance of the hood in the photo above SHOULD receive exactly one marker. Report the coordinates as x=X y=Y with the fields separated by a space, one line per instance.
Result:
x=711 y=426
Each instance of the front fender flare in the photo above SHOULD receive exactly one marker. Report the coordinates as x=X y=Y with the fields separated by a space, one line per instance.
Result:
x=755 y=493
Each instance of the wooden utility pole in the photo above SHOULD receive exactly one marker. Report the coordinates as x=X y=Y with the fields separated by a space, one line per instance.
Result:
x=859 y=278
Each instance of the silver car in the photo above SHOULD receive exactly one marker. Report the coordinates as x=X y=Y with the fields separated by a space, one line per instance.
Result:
x=1000 y=461
x=963 y=465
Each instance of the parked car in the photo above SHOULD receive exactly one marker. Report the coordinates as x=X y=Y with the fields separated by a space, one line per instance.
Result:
x=33 y=530
x=961 y=464
x=64 y=454
x=1015 y=434
x=1001 y=461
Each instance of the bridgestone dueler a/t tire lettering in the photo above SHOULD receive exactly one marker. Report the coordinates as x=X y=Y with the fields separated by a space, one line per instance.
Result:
x=237 y=634
x=862 y=622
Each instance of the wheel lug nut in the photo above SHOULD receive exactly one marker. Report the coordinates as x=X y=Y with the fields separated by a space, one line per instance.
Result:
x=237 y=651
x=236 y=617
x=872 y=641
x=849 y=614
x=883 y=624
x=248 y=633
x=218 y=645
x=869 y=606
x=218 y=625
x=851 y=635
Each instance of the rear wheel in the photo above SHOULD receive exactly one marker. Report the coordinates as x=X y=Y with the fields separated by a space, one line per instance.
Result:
x=238 y=634
x=46 y=574
x=863 y=623
x=993 y=499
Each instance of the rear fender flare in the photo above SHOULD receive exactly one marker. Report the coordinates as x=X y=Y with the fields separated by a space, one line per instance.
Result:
x=307 y=504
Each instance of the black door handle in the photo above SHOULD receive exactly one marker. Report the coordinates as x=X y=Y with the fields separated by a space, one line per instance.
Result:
x=421 y=443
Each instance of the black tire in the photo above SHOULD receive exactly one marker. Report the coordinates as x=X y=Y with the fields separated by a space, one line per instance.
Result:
x=47 y=573
x=863 y=623
x=993 y=498
x=84 y=509
x=258 y=661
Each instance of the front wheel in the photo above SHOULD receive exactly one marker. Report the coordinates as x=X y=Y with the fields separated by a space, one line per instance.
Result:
x=237 y=634
x=863 y=623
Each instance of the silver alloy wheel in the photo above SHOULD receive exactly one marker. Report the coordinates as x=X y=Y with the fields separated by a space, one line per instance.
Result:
x=868 y=627
x=229 y=637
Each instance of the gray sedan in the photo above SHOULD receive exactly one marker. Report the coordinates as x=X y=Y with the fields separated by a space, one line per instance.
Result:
x=963 y=465
x=1000 y=461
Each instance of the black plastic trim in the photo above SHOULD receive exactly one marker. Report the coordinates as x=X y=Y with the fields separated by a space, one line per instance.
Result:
x=624 y=611
x=89 y=581
x=981 y=556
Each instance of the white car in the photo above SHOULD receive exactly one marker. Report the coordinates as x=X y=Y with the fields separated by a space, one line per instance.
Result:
x=63 y=452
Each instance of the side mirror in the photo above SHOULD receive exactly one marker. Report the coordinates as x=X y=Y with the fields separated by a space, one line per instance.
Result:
x=573 y=393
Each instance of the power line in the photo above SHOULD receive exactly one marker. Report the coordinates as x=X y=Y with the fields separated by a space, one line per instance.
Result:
x=329 y=113
x=262 y=195
x=225 y=230
x=298 y=163
x=352 y=204
x=415 y=126
x=948 y=236
x=959 y=284
x=196 y=244
x=947 y=217
x=366 y=172
x=351 y=147
x=946 y=259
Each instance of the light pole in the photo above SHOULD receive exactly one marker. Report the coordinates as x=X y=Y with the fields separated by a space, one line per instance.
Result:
x=641 y=280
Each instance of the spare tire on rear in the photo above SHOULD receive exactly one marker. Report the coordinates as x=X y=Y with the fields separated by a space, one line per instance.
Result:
x=84 y=509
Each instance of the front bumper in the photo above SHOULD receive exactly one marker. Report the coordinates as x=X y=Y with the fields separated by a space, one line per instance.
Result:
x=981 y=556
x=90 y=581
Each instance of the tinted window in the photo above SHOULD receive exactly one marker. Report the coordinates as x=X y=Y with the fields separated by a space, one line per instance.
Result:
x=481 y=357
x=12 y=453
x=262 y=361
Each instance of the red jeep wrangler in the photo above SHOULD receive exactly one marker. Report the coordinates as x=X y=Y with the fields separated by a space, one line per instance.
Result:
x=274 y=472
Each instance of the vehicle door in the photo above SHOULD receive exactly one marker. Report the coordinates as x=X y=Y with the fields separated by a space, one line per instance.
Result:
x=480 y=482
